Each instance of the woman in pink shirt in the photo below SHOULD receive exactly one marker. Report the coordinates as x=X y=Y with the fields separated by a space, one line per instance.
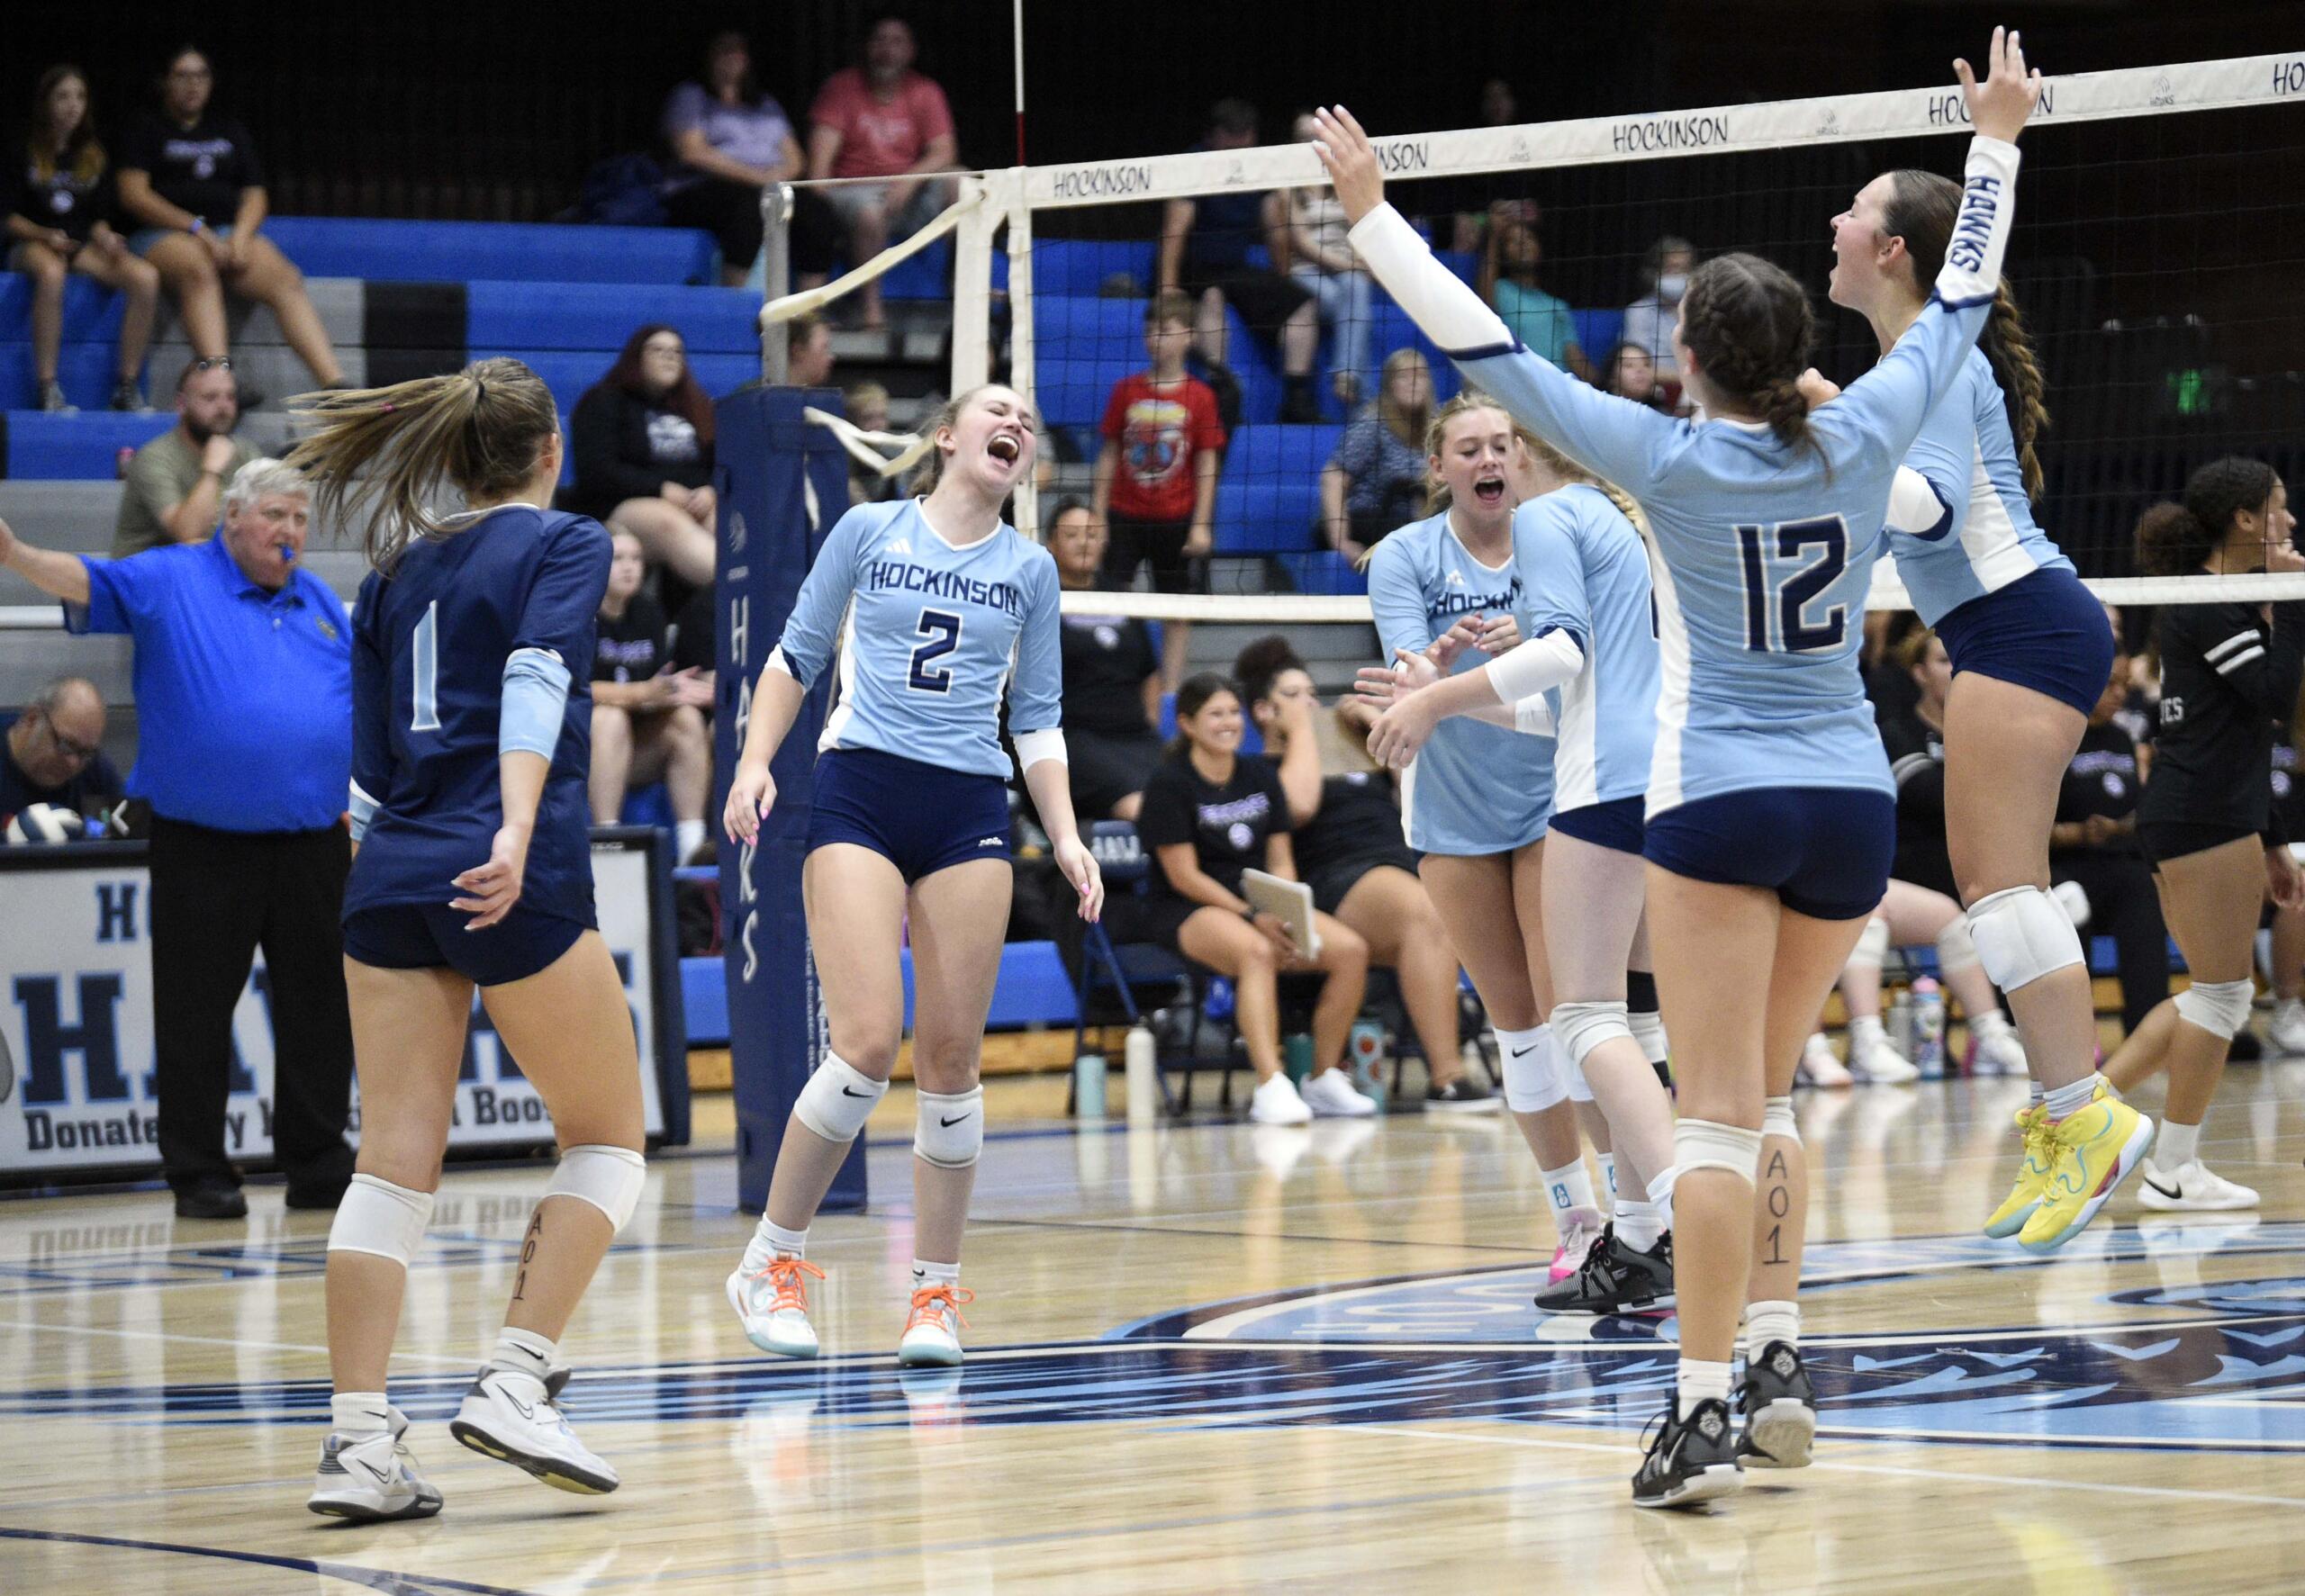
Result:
x=886 y=122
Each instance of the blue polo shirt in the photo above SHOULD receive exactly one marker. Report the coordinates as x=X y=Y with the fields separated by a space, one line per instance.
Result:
x=243 y=698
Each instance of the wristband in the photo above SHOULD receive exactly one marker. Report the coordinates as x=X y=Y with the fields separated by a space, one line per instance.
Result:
x=199 y=224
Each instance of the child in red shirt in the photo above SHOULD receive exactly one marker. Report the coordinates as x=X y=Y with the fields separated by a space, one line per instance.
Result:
x=1156 y=474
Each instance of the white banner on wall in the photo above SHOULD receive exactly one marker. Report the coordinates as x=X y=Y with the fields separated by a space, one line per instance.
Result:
x=76 y=1023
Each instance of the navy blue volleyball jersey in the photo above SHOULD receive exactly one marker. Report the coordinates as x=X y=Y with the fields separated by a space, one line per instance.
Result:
x=430 y=645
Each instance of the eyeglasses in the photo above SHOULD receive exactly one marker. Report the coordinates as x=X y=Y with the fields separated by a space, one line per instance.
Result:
x=76 y=752
x=213 y=362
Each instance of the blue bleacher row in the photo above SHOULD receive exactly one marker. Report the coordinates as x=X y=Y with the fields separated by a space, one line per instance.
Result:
x=563 y=299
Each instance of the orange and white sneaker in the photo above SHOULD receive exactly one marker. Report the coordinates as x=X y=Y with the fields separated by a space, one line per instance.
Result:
x=932 y=1335
x=772 y=1303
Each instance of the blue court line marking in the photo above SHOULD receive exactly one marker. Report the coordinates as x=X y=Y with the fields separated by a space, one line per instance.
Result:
x=374 y=1579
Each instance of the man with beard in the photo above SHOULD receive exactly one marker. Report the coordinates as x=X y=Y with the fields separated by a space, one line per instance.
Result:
x=177 y=482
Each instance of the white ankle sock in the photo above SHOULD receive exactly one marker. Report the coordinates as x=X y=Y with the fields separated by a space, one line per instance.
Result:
x=2040 y=1092
x=926 y=1274
x=1699 y=1381
x=1638 y=1225
x=1568 y=1187
x=1660 y=1198
x=359 y=1412
x=1608 y=1162
x=2073 y=1099
x=770 y=1241
x=2178 y=1146
x=688 y=836
x=1865 y=1030
x=524 y=1352
x=1770 y=1322
x=1989 y=1024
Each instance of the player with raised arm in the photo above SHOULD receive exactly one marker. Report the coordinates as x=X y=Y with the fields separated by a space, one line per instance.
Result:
x=1476 y=806
x=1589 y=637
x=1770 y=822
x=471 y=641
x=2029 y=648
x=937 y=609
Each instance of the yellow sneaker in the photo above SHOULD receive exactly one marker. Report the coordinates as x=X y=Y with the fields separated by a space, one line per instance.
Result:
x=2095 y=1149
x=2032 y=1176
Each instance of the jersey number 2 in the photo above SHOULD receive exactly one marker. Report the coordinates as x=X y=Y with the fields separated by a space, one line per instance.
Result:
x=942 y=628
x=426 y=668
x=1777 y=600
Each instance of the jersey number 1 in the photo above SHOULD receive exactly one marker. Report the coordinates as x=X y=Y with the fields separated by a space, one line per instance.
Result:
x=942 y=628
x=426 y=668
x=1777 y=600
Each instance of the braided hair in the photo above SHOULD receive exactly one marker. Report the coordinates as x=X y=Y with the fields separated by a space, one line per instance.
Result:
x=1750 y=326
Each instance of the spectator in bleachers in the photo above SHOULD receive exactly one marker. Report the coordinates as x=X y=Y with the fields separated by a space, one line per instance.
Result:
x=1630 y=373
x=647 y=718
x=60 y=199
x=1376 y=478
x=190 y=179
x=2093 y=845
x=729 y=141
x=642 y=439
x=1322 y=259
x=1649 y=321
x=1510 y=254
x=1204 y=245
x=175 y=483
x=1915 y=740
x=1210 y=813
x=810 y=362
x=882 y=120
x=867 y=406
x=53 y=753
x=1155 y=491
x=1350 y=850
x=1112 y=681
x=243 y=674
x=1496 y=108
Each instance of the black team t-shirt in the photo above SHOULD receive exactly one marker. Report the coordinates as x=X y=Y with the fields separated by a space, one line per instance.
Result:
x=1226 y=826
x=1105 y=659
x=201 y=168
x=632 y=646
x=1358 y=823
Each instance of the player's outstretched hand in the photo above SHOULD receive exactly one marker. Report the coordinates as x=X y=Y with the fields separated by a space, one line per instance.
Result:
x=1351 y=161
x=1401 y=731
x=1998 y=105
x=1079 y=868
x=752 y=793
x=1382 y=684
x=490 y=890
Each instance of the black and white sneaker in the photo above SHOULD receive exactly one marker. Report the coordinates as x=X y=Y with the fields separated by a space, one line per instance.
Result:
x=1463 y=1094
x=1780 y=1409
x=515 y=1418
x=371 y=1478
x=1689 y=1460
x=1614 y=1278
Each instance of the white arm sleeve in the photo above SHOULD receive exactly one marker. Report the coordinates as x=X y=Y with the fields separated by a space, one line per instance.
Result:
x=1436 y=299
x=1534 y=715
x=1913 y=505
x=1032 y=747
x=1972 y=270
x=1527 y=669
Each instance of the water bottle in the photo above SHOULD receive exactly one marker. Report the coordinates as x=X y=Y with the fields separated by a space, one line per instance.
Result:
x=1928 y=1028
x=1901 y=1022
x=1089 y=1087
x=1364 y=1053
x=1296 y=1057
x=1141 y=1064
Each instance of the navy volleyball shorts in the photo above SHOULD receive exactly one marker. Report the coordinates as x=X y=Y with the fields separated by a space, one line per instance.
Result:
x=432 y=936
x=2046 y=632
x=1615 y=825
x=920 y=818
x=1824 y=851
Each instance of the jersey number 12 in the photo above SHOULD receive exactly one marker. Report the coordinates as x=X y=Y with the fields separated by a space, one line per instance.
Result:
x=1787 y=567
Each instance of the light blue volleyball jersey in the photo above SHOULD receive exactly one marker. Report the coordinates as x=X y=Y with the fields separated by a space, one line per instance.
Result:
x=1475 y=788
x=1585 y=571
x=929 y=637
x=1985 y=538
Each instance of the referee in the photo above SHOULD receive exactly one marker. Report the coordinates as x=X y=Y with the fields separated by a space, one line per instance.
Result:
x=244 y=698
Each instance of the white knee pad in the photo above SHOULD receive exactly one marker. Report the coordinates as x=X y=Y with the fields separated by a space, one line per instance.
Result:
x=2074 y=899
x=1702 y=1144
x=1871 y=949
x=1583 y=1026
x=378 y=1217
x=1572 y=1075
x=1956 y=950
x=608 y=1177
x=2022 y=935
x=950 y=1131
x=1533 y=1080
x=837 y=1099
x=1777 y=1120
x=2219 y=1007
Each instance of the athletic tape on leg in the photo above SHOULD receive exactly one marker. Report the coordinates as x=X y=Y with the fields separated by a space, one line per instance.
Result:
x=608 y=1177
x=1533 y=1080
x=382 y=1219
x=2219 y=1007
x=1872 y=947
x=837 y=1099
x=950 y=1130
x=1777 y=1120
x=2022 y=935
x=1956 y=950
x=1583 y=1026
x=1702 y=1144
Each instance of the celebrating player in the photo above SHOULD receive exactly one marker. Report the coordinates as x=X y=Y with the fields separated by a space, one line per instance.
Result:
x=1770 y=823
x=2228 y=674
x=1591 y=635
x=471 y=727
x=2029 y=648
x=908 y=826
